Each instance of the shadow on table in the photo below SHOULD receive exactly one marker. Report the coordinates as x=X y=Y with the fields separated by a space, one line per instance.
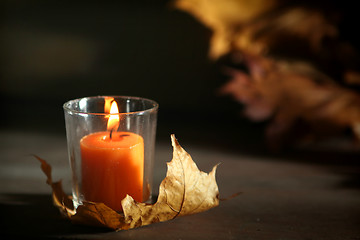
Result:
x=34 y=216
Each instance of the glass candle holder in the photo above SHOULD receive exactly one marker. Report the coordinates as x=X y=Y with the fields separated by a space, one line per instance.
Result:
x=111 y=142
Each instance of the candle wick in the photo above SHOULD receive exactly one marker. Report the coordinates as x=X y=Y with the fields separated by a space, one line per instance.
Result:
x=111 y=133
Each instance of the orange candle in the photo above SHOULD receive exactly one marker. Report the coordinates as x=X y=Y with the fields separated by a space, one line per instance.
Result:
x=112 y=168
x=112 y=165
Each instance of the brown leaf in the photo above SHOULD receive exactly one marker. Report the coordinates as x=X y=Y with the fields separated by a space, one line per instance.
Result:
x=185 y=190
x=223 y=17
x=290 y=93
x=295 y=66
x=60 y=199
x=98 y=214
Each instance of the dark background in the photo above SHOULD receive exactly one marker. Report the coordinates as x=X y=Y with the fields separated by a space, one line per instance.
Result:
x=54 y=51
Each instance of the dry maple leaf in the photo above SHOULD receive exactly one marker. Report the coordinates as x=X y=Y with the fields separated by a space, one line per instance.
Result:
x=185 y=190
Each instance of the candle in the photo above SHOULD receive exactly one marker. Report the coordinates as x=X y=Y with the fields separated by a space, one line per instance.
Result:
x=112 y=165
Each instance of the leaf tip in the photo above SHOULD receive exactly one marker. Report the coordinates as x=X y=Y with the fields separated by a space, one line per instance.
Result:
x=46 y=168
x=174 y=141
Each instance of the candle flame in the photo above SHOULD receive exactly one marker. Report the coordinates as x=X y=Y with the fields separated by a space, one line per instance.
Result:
x=108 y=101
x=114 y=119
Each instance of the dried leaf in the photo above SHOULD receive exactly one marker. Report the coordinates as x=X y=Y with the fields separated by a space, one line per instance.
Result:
x=98 y=214
x=60 y=199
x=185 y=190
x=301 y=73
x=223 y=17
x=289 y=92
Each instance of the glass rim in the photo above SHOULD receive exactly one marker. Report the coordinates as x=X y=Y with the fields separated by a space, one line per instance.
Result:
x=154 y=105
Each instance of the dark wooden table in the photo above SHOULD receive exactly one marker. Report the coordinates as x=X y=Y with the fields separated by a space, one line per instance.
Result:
x=282 y=197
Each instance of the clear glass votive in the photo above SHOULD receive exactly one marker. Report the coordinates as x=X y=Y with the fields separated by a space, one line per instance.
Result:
x=111 y=143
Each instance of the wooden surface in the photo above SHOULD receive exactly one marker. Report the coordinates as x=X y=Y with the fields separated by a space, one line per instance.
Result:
x=282 y=197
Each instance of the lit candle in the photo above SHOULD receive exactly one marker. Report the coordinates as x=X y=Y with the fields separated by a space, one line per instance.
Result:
x=112 y=164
